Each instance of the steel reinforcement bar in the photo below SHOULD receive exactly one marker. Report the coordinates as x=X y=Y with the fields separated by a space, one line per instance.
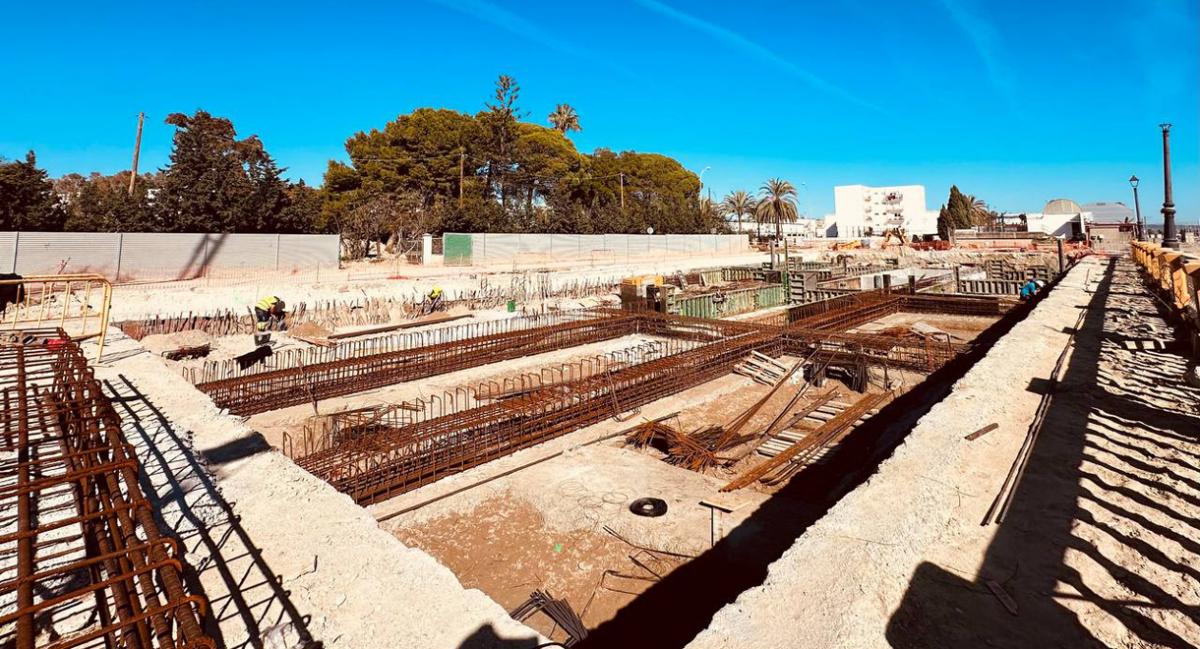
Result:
x=326 y=432
x=924 y=355
x=80 y=550
x=956 y=304
x=211 y=371
x=373 y=467
x=268 y=391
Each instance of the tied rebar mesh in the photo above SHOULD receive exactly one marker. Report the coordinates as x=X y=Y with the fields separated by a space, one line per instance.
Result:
x=83 y=562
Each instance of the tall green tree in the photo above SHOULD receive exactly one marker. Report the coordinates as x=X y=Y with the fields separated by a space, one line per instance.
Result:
x=27 y=198
x=542 y=156
x=959 y=212
x=301 y=213
x=103 y=204
x=216 y=182
x=777 y=204
x=565 y=119
x=499 y=124
x=739 y=204
x=515 y=176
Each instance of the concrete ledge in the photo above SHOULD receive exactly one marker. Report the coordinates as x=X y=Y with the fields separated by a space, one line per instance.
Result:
x=353 y=584
x=840 y=582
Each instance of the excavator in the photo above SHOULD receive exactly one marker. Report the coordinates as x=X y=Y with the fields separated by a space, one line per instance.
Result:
x=900 y=235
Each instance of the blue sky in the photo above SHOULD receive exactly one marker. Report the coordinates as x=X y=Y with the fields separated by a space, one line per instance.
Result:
x=1016 y=102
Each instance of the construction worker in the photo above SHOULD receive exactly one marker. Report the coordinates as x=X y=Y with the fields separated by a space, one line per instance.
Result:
x=433 y=301
x=1028 y=290
x=268 y=311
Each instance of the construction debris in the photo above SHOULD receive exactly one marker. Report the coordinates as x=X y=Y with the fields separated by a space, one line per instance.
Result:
x=786 y=463
x=557 y=610
x=198 y=351
x=981 y=432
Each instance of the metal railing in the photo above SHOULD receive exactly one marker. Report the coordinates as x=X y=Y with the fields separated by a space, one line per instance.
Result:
x=78 y=304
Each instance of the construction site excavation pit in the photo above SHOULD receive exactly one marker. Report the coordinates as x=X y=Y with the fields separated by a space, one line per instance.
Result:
x=514 y=451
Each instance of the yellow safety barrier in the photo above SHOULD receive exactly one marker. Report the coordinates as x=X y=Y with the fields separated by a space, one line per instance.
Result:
x=77 y=303
x=1178 y=276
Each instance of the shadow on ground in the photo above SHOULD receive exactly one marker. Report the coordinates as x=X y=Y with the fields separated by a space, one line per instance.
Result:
x=1098 y=509
x=188 y=503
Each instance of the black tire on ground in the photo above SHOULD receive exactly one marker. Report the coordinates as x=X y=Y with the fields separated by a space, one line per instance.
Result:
x=648 y=507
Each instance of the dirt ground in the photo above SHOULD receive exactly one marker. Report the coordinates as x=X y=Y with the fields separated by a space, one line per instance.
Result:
x=962 y=327
x=503 y=548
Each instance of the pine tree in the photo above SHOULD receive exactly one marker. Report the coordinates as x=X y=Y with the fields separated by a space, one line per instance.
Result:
x=27 y=198
x=217 y=183
x=956 y=214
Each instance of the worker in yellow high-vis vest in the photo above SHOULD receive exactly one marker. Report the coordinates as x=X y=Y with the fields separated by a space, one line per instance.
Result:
x=433 y=301
x=268 y=311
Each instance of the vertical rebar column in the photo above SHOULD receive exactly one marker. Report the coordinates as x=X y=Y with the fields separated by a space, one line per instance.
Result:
x=25 y=623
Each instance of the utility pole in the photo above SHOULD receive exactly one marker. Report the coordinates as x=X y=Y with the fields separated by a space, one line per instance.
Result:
x=137 y=148
x=1170 y=240
x=622 y=177
x=462 y=162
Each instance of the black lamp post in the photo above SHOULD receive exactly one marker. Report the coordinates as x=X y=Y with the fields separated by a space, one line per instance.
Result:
x=1168 y=208
x=1137 y=210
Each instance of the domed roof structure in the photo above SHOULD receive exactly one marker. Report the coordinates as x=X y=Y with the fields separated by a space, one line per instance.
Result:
x=1062 y=206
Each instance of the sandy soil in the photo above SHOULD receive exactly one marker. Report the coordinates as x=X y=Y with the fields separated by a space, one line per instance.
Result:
x=963 y=328
x=544 y=528
x=414 y=282
x=1098 y=547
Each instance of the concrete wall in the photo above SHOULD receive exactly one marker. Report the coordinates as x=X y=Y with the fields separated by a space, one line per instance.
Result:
x=144 y=255
x=477 y=249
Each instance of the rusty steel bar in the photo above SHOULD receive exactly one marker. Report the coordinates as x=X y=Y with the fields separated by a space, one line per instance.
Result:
x=373 y=467
x=83 y=530
x=803 y=450
x=269 y=391
x=957 y=304
x=376 y=453
x=297 y=357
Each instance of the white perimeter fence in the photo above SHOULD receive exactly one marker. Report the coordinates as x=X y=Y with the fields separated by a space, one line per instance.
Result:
x=134 y=256
x=479 y=249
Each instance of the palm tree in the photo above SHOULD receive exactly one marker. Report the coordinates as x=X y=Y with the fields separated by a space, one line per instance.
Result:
x=980 y=213
x=738 y=203
x=777 y=203
x=565 y=119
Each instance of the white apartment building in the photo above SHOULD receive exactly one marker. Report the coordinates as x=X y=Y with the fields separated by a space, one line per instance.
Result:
x=861 y=211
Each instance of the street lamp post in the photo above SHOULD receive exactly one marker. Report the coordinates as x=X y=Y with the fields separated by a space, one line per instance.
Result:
x=1170 y=240
x=1137 y=210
